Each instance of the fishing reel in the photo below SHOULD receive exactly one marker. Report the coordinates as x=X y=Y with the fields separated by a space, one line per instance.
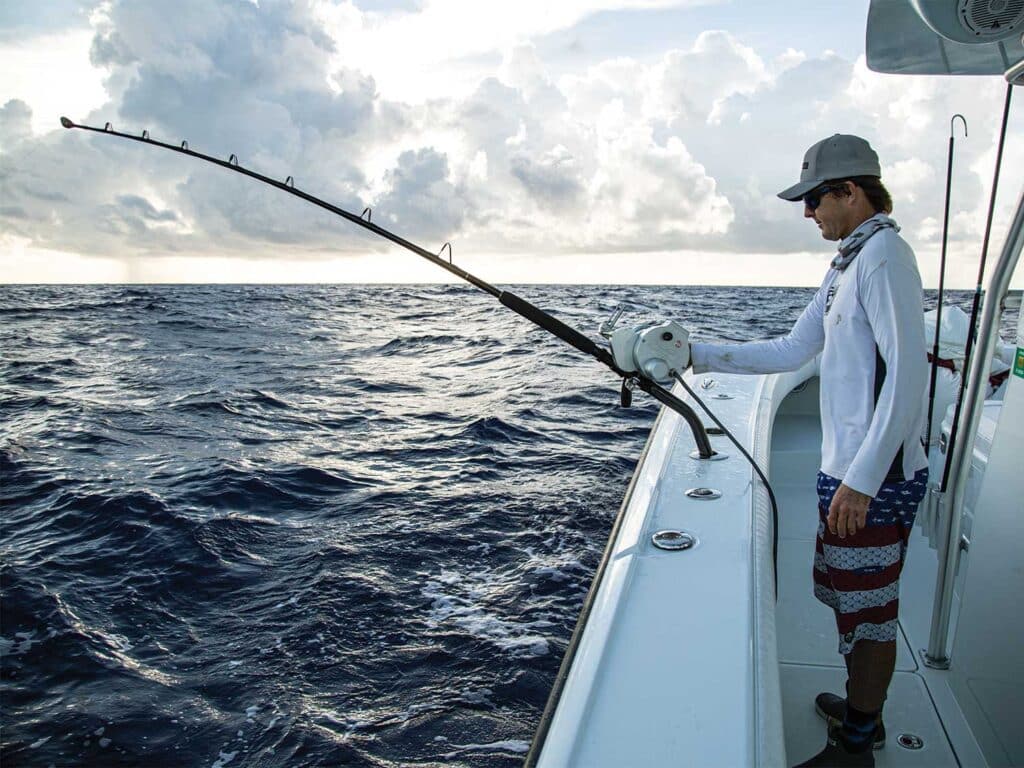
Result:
x=657 y=351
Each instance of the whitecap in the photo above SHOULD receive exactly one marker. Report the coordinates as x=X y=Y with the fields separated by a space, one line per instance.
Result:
x=465 y=612
x=517 y=746
x=223 y=758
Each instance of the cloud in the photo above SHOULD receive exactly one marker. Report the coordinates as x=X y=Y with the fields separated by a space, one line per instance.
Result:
x=552 y=178
x=690 y=84
x=421 y=55
x=145 y=208
x=420 y=200
x=684 y=150
x=15 y=123
x=21 y=20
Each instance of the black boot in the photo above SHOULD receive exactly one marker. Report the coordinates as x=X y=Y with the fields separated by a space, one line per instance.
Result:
x=837 y=755
x=833 y=709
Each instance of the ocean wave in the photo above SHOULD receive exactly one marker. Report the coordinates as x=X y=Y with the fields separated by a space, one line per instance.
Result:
x=416 y=344
x=276 y=525
x=494 y=430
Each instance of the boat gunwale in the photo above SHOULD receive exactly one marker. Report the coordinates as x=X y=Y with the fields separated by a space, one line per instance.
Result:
x=558 y=686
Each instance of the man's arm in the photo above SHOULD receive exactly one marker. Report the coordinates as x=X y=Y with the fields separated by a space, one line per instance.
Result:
x=786 y=353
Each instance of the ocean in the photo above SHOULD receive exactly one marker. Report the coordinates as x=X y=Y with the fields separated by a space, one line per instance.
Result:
x=308 y=525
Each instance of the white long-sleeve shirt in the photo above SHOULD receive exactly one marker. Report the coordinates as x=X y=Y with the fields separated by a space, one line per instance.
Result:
x=870 y=312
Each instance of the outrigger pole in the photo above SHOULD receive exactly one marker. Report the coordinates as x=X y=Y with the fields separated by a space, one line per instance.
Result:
x=976 y=305
x=942 y=282
x=518 y=305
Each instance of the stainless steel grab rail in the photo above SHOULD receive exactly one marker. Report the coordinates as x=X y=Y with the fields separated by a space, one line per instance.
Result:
x=937 y=653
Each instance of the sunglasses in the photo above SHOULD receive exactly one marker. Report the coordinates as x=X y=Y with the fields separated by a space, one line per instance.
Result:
x=813 y=198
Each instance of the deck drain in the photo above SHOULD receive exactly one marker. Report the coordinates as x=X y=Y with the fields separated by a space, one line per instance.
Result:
x=721 y=396
x=704 y=493
x=673 y=540
x=910 y=741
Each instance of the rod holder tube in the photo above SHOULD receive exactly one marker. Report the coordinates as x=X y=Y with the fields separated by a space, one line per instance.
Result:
x=962 y=450
x=663 y=396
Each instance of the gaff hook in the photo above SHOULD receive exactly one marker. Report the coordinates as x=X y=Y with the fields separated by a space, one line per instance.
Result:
x=367 y=212
x=449 y=247
x=942 y=283
x=953 y=120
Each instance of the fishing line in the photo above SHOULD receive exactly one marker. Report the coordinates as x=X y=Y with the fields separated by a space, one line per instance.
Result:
x=976 y=306
x=760 y=474
x=518 y=305
x=630 y=379
x=942 y=281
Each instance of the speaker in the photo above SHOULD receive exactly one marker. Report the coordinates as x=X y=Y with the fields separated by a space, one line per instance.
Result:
x=972 y=21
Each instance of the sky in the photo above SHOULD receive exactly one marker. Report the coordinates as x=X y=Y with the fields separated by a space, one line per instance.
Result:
x=575 y=141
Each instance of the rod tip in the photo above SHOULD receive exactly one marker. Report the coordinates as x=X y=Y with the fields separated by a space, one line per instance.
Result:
x=66 y=123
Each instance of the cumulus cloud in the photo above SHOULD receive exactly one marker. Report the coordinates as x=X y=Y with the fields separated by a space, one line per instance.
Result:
x=419 y=198
x=15 y=123
x=684 y=150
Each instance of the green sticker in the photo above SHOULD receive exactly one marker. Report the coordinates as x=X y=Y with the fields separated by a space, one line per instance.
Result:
x=1018 y=363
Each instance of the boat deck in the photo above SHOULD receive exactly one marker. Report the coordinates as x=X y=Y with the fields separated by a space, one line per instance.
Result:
x=919 y=703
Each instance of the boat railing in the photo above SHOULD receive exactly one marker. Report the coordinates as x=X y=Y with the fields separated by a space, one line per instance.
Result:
x=937 y=653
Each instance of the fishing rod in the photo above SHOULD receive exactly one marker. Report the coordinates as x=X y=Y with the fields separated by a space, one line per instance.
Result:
x=976 y=305
x=663 y=358
x=642 y=378
x=942 y=281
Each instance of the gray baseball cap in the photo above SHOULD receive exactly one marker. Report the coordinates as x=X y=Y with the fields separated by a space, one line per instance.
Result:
x=837 y=157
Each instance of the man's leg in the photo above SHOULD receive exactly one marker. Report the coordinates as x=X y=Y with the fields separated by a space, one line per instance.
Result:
x=870 y=664
x=858 y=577
x=832 y=707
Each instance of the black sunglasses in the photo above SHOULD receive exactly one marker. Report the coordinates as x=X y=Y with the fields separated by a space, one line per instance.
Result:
x=813 y=198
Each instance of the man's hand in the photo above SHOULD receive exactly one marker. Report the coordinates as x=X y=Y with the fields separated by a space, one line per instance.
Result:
x=848 y=512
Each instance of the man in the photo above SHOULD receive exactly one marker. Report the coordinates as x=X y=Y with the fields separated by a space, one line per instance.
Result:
x=866 y=322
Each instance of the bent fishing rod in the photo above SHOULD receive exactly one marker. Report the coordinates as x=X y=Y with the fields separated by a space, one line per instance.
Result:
x=536 y=315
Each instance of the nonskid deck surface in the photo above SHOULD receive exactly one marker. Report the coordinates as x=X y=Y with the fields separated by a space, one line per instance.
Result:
x=809 y=661
x=908 y=710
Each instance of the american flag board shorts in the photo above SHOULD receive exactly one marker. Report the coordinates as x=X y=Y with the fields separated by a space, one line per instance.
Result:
x=859 y=577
